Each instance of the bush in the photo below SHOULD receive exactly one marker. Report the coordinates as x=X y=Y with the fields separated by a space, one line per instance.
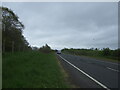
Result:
x=45 y=49
x=106 y=51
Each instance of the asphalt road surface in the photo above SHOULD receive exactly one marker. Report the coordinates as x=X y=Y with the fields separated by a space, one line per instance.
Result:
x=90 y=73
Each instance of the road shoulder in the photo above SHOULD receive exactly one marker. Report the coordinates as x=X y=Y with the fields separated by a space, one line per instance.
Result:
x=66 y=75
x=76 y=77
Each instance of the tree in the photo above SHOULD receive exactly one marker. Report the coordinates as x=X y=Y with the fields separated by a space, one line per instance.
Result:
x=96 y=49
x=12 y=28
x=45 y=49
x=106 y=51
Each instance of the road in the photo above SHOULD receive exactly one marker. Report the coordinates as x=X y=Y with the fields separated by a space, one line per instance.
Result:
x=90 y=73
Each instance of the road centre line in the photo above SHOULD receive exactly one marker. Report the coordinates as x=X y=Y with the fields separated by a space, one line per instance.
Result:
x=112 y=69
x=85 y=73
x=117 y=63
x=108 y=62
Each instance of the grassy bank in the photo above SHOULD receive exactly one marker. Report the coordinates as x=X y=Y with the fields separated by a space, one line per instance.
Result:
x=98 y=54
x=32 y=70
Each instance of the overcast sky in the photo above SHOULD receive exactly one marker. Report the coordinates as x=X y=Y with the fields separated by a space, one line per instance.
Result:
x=70 y=25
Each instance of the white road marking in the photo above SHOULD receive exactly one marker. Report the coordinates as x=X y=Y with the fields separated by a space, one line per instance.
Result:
x=109 y=62
x=112 y=69
x=85 y=74
x=117 y=63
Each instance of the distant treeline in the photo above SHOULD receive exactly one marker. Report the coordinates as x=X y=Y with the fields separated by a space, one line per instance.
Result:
x=105 y=52
x=12 y=37
x=45 y=49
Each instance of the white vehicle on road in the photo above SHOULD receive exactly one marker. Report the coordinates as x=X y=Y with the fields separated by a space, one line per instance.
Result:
x=58 y=51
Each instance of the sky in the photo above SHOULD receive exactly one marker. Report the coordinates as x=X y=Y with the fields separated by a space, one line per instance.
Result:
x=69 y=24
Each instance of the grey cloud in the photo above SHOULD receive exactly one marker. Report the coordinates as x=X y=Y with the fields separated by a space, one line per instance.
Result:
x=69 y=24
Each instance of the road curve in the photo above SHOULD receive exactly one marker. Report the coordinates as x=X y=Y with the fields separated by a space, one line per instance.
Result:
x=101 y=74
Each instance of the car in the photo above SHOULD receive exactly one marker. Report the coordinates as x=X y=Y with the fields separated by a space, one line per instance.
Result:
x=58 y=51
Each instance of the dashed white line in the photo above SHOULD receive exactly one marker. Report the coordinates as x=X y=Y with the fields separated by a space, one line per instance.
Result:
x=108 y=62
x=85 y=74
x=112 y=69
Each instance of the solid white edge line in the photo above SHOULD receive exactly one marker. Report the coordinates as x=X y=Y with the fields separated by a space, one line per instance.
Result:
x=112 y=69
x=85 y=73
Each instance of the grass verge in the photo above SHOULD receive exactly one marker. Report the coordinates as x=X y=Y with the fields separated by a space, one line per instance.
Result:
x=31 y=70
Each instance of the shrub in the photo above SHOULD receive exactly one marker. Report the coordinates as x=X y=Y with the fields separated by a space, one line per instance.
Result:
x=106 y=51
x=45 y=49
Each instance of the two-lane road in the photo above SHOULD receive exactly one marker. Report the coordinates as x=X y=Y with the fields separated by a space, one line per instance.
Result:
x=103 y=73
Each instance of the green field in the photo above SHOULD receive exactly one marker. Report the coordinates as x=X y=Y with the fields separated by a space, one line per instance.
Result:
x=32 y=70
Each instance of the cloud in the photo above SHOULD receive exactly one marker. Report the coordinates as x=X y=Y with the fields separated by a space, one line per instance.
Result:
x=71 y=25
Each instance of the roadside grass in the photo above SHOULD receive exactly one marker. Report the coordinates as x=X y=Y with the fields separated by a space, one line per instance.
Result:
x=66 y=76
x=94 y=54
x=31 y=70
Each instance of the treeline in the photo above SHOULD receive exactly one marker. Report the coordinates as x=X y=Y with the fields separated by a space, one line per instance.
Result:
x=105 y=52
x=45 y=49
x=12 y=28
